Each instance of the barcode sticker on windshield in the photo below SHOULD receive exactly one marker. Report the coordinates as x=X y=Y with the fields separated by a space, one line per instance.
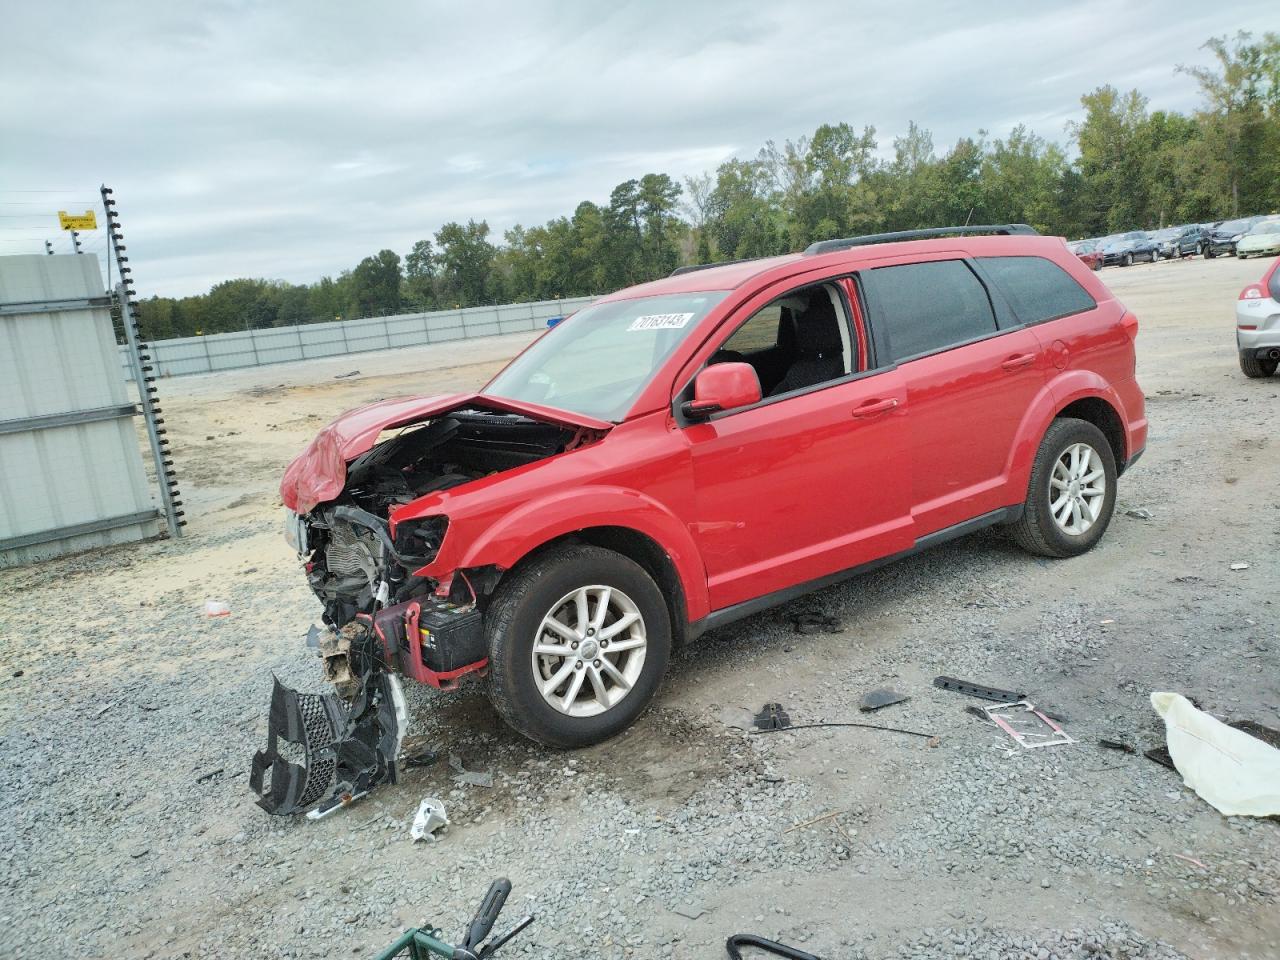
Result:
x=660 y=321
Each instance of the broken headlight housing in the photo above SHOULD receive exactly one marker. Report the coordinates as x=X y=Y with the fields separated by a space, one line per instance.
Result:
x=295 y=532
x=419 y=540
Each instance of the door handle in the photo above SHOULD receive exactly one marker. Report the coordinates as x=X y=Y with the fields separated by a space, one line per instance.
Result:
x=873 y=408
x=1019 y=361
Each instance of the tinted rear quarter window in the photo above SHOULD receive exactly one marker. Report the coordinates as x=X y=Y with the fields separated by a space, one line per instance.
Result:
x=922 y=308
x=1038 y=289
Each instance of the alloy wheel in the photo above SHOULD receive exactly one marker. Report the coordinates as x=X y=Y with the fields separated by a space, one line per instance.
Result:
x=1077 y=489
x=589 y=651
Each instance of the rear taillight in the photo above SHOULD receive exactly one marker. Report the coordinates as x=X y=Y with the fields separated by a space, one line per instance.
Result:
x=1252 y=292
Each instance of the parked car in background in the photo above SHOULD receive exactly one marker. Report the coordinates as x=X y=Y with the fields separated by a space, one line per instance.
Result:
x=1258 y=325
x=1261 y=241
x=688 y=452
x=1192 y=239
x=1166 y=241
x=1089 y=252
x=1225 y=235
x=1124 y=249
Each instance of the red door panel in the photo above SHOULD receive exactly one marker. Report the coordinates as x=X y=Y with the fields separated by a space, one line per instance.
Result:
x=966 y=404
x=795 y=490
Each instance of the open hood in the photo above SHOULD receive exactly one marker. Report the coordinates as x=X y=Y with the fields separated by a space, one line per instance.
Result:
x=320 y=471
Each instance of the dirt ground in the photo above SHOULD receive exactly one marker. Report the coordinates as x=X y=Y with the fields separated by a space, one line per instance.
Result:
x=127 y=722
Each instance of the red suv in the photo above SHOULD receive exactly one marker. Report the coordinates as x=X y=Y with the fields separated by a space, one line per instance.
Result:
x=687 y=452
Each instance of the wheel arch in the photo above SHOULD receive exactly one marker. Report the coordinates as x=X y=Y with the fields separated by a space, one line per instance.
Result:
x=621 y=520
x=636 y=546
x=1080 y=394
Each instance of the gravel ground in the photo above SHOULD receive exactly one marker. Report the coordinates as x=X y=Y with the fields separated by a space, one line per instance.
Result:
x=128 y=722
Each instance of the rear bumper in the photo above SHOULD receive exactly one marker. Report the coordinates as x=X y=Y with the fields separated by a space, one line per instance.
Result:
x=1257 y=324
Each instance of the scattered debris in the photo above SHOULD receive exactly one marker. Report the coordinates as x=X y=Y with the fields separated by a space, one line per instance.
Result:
x=1188 y=578
x=1192 y=860
x=344 y=376
x=772 y=717
x=738 y=940
x=810 y=823
x=689 y=910
x=977 y=690
x=216 y=608
x=18 y=673
x=1231 y=770
x=430 y=817
x=1138 y=513
x=1265 y=734
x=1117 y=745
x=1240 y=565
x=477 y=778
x=348 y=748
x=816 y=622
x=880 y=698
x=1020 y=725
x=425 y=757
x=989 y=693
x=206 y=777
x=1161 y=756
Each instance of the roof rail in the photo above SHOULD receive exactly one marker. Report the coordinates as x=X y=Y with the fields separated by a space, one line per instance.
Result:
x=692 y=267
x=827 y=246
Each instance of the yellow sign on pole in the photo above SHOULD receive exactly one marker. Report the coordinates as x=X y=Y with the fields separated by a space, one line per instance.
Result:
x=85 y=221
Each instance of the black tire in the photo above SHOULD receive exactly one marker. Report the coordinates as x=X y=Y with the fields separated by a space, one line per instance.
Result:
x=1128 y=259
x=1209 y=254
x=1200 y=249
x=1036 y=531
x=1256 y=368
x=1155 y=255
x=512 y=622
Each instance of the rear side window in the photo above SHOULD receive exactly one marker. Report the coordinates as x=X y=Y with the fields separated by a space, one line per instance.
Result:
x=1037 y=288
x=922 y=308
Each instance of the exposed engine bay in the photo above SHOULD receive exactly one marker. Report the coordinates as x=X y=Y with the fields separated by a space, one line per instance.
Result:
x=380 y=617
x=355 y=567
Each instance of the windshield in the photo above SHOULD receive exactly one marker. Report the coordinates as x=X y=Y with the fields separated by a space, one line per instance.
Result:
x=1267 y=226
x=1234 y=226
x=597 y=361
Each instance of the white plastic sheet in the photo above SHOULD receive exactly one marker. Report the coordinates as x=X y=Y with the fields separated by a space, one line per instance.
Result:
x=429 y=818
x=1236 y=773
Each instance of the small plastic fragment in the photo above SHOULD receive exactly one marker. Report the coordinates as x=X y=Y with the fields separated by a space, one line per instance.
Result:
x=216 y=608
x=1240 y=565
x=430 y=817
x=880 y=698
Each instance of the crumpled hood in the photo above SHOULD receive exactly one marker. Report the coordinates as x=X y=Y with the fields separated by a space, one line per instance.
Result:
x=320 y=471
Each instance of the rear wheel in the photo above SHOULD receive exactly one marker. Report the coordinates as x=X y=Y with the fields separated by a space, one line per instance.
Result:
x=1072 y=491
x=578 y=643
x=1255 y=367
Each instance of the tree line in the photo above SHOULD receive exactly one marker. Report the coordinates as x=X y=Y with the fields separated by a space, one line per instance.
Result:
x=1133 y=168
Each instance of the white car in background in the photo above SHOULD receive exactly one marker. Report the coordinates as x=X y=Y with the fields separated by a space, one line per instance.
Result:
x=1258 y=325
x=1263 y=240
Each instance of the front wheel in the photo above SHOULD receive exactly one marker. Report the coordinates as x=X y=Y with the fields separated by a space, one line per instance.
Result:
x=578 y=642
x=1256 y=367
x=1128 y=259
x=1072 y=491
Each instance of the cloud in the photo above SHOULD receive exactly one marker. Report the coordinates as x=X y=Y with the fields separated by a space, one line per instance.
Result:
x=291 y=139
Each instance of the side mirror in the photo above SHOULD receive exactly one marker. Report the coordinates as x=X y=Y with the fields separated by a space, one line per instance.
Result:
x=722 y=386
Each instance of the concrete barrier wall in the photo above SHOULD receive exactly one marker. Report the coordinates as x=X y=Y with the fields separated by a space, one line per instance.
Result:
x=251 y=348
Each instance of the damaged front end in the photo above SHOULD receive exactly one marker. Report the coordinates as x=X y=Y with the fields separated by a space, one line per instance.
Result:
x=382 y=616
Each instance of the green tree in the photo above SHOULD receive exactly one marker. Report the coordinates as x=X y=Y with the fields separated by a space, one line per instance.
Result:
x=375 y=284
x=464 y=264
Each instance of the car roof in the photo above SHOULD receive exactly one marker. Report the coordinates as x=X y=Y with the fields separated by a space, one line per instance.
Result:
x=730 y=276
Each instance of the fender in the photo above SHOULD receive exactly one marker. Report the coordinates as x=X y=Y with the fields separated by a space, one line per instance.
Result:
x=505 y=541
x=1062 y=391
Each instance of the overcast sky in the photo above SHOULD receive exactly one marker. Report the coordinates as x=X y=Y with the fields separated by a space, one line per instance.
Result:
x=289 y=140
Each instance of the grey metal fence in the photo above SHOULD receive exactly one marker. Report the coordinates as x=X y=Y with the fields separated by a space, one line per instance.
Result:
x=251 y=348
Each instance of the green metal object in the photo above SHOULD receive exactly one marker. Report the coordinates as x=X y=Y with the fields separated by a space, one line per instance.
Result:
x=422 y=943
x=418 y=944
